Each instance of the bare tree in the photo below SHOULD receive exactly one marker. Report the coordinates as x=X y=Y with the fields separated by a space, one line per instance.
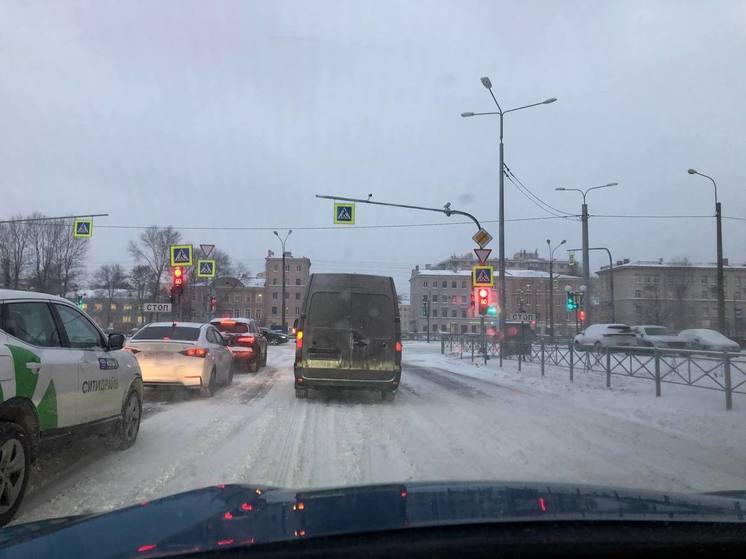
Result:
x=152 y=250
x=14 y=251
x=69 y=256
x=109 y=278
x=140 y=279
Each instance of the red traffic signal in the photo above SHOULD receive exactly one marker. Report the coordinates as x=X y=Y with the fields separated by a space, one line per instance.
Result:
x=177 y=276
x=581 y=315
x=483 y=300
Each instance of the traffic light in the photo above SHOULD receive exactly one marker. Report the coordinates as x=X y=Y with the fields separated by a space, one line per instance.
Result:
x=79 y=301
x=483 y=298
x=581 y=315
x=571 y=302
x=177 y=276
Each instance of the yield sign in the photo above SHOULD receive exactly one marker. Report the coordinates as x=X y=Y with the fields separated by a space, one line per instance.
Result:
x=482 y=254
x=207 y=250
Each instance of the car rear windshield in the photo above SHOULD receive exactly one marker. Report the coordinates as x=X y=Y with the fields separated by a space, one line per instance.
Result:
x=619 y=329
x=659 y=331
x=185 y=333
x=369 y=314
x=230 y=327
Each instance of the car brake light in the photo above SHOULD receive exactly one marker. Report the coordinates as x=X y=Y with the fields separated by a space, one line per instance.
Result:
x=299 y=339
x=245 y=340
x=397 y=347
x=228 y=322
x=195 y=352
x=132 y=350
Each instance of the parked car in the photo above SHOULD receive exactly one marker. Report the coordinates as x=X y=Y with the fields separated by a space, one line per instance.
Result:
x=599 y=336
x=349 y=335
x=657 y=336
x=709 y=340
x=59 y=374
x=186 y=354
x=246 y=341
x=275 y=338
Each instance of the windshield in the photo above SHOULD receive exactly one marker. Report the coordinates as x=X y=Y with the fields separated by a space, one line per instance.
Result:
x=232 y=327
x=183 y=333
x=655 y=331
x=318 y=244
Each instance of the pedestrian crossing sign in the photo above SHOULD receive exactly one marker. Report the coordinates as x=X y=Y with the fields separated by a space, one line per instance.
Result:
x=83 y=228
x=482 y=276
x=206 y=268
x=181 y=255
x=344 y=213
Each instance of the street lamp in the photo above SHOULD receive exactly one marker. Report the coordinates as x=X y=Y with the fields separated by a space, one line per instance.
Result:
x=501 y=228
x=551 y=287
x=720 y=272
x=586 y=259
x=284 y=326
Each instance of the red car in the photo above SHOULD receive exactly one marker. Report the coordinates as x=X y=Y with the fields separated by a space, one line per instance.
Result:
x=245 y=341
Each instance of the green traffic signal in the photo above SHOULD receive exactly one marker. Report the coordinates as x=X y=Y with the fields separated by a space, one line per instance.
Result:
x=492 y=310
x=571 y=302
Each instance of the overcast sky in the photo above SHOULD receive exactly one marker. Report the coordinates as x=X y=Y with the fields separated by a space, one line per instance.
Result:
x=219 y=114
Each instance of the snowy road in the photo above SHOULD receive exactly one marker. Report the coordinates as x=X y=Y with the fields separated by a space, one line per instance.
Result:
x=443 y=425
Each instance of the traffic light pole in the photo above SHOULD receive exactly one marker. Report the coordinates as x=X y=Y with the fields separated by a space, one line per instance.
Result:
x=586 y=266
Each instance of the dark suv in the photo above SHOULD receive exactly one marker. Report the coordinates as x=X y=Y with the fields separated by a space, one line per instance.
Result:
x=245 y=340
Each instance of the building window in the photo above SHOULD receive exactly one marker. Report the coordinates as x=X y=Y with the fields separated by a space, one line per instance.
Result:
x=463 y=328
x=424 y=283
x=274 y=281
x=435 y=312
x=127 y=307
x=98 y=307
x=274 y=295
x=435 y=298
x=638 y=278
x=236 y=313
x=424 y=298
x=463 y=285
x=638 y=310
x=287 y=295
x=297 y=281
x=647 y=279
x=236 y=298
x=297 y=310
x=473 y=328
x=453 y=313
x=248 y=313
x=299 y=268
x=274 y=311
x=114 y=306
x=638 y=293
x=463 y=298
x=435 y=327
x=454 y=299
x=287 y=267
x=297 y=295
x=444 y=284
x=454 y=284
x=463 y=314
x=274 y=267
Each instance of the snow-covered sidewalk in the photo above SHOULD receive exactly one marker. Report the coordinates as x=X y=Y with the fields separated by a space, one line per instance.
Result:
x=682 y=410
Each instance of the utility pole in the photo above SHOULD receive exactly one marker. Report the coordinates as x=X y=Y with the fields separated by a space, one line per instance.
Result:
x=284 y=287
x=487 y=83
x=551 y=286
x=720 y=271
x=586 y=259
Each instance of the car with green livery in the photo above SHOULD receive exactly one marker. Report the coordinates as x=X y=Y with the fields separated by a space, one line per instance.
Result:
x=59 y=375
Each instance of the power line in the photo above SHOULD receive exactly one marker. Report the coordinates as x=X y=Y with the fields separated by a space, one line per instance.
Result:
x=551 y=209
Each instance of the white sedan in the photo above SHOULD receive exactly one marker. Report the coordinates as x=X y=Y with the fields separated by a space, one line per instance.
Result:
x=708 y=340
x=599 y=336
x=186 y=354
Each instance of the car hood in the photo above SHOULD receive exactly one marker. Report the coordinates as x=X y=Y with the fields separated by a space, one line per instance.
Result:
x=239 y=515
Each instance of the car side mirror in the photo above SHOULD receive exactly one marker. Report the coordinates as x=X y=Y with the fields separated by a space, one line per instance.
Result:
x=115 y=341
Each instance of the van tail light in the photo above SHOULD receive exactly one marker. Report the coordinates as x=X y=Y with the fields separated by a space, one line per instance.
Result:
x=132 y=350
x=397 y=347
x=195 y=352
x=299 y=339
x=245 y=340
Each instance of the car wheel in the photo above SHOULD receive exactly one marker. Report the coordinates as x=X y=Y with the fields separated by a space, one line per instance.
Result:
x=15 y=462
x=301 y=393
x=264 y=358
x=230 y=375
x=209 y=390
x=125 y=430
x=598 y=348
x=254 y=364
x=388 y=395
x=578 y=347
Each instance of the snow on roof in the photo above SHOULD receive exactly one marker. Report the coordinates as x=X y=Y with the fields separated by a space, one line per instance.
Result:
x=508 y=272
x=18 y=294
x=659 y=264
x=254 y=282
x=426 y=272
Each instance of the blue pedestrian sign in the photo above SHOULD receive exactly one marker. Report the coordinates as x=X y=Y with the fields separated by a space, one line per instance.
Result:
x=181 y=255
x=344 y=213
x=482 y=276
x=83 y=228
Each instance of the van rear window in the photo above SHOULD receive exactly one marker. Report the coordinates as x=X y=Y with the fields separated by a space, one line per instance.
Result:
x=370 y=314
x=231 y=327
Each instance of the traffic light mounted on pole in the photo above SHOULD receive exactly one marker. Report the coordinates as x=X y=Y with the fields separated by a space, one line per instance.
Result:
x=483 y=300
x=572 y=302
